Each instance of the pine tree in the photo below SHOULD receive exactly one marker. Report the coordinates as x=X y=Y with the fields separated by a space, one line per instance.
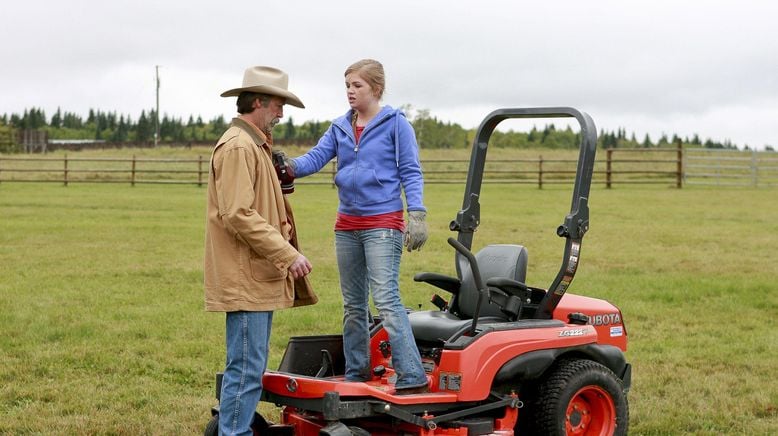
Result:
x=647 y=142
x=143 y=130
x=56 y=119
x=72 y=121
x=290 y=132
x=218 y=125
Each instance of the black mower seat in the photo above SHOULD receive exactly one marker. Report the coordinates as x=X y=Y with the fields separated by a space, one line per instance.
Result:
x=437 y=326
x=498 y=260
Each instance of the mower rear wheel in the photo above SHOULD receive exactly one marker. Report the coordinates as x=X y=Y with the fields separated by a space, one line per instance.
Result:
x=581 y=397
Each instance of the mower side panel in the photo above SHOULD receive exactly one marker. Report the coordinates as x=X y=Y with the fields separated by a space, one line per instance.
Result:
x=486 y=356
x=603 y=316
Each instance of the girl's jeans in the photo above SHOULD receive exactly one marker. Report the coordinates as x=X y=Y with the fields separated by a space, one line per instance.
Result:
x=369 y=260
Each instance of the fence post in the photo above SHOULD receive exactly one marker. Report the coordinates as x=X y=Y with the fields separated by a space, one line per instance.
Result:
x=66 y=170
x=334 y=171
x=608 y=160
x=679 y=165
x=540 y=172
x=200 y=170
x=132 y=173
x=754 y=168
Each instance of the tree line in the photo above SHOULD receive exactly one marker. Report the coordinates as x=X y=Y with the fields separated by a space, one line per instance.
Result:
x=114 y=127
x=430 y=131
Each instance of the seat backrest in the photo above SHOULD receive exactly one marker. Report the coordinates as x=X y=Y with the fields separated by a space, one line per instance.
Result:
x=497 y=260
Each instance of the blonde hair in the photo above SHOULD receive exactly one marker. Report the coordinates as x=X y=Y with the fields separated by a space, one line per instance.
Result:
x=373 y=72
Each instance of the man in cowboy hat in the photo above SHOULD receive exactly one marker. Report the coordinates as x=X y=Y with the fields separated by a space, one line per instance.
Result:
x=253 y=265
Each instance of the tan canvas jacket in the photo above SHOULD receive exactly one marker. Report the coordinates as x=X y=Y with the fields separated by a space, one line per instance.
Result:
x=249 y=237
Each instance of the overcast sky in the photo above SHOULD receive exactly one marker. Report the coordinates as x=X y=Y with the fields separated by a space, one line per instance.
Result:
x=704 y=67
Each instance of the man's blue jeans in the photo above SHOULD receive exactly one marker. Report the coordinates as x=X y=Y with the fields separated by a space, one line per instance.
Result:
x=248 y=337
x=369 y=261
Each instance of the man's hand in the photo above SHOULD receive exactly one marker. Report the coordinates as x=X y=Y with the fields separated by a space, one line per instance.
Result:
x=301 y=267
x=415 y=230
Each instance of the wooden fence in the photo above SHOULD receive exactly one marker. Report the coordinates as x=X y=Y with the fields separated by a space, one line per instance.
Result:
x=620 y=166
x=730 y=168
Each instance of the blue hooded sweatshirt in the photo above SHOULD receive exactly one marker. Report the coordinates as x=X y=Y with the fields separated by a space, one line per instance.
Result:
x=370 y=176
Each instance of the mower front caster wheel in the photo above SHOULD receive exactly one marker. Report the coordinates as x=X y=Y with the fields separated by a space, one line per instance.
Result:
x=212 y=429
x=258 y=426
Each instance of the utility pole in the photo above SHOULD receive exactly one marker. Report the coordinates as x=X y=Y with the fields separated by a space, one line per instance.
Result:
x=156 y=114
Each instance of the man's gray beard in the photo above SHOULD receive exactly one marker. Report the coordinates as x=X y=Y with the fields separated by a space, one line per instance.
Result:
x=272 y=124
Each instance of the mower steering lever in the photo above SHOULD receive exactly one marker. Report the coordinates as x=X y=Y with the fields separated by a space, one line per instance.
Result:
x=479 y=284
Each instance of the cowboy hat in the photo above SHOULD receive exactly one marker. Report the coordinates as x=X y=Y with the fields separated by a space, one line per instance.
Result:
x=266 y=80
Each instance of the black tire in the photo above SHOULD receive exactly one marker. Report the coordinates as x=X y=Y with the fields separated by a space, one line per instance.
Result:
x=258 y=425
x=580 y=397
x=212 y=429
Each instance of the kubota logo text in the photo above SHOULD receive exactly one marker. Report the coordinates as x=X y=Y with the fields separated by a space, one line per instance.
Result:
x=605 y=319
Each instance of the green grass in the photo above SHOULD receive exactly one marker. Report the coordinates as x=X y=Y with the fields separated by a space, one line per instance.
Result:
x=103 y=331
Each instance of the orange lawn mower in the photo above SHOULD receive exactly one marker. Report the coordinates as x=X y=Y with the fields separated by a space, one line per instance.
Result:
x=501 y=357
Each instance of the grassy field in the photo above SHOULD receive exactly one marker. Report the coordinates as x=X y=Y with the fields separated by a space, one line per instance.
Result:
x=102 y=327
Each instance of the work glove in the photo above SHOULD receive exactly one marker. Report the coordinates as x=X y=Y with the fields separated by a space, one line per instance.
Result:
x=415 y=230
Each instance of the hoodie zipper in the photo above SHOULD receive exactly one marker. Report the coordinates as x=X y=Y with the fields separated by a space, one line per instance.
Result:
x=356 y=150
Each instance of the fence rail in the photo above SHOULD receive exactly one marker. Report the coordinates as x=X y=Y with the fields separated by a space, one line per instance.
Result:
x=669 y=166
x=730 y=168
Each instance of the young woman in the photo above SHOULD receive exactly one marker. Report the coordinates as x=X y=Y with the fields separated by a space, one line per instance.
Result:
x=378 y=157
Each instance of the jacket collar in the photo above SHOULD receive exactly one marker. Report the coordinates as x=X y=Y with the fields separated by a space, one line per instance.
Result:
x=256 y=135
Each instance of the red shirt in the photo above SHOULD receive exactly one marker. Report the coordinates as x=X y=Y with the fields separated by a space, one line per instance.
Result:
x=391 y=220
x=358 y=132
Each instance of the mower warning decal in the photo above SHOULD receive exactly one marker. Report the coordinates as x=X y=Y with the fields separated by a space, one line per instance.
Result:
x=452 y=382
x=562 y=287
x=572 y=260
x=575 y=248
x=572 y=264
x=617 y=331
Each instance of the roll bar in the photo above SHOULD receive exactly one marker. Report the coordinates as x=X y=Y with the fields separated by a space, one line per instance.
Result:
x=575 y=224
